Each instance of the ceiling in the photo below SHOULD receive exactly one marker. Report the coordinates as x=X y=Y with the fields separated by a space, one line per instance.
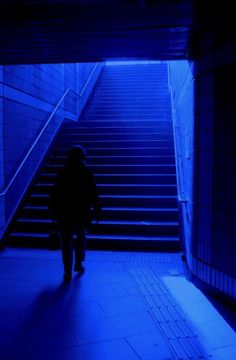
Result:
x=56 y=31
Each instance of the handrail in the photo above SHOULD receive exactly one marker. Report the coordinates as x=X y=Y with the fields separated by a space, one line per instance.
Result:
x=33 y=145
x=46 y=124
x=181 y=195
x=86 y=84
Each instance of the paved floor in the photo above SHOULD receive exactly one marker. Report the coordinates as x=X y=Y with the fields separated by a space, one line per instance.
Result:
x=126 y=306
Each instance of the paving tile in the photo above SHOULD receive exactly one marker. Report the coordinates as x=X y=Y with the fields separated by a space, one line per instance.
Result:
x=130 y=288
x=182 y=290
x=226 y=353
x=85 y=311
x=109 y=277
x=136 y=323
x=150 y=346
x=202 y=312
x=218 y=334
x=89 y=292
x=124 y=305
x=112 y=328
x=110 y=350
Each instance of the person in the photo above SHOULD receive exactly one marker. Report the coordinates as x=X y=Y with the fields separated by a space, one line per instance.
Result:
x=74 y=202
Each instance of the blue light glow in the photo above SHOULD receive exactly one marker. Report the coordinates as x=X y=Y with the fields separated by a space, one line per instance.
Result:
x=131 y=62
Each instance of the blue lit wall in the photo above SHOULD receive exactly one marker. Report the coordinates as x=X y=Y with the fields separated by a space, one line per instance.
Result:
x=182 y=82
x=28 y=95
x=204 y=97
x=2 y=213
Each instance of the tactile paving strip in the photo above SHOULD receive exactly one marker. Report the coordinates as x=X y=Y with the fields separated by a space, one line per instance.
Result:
x=176 y=328
x=103 y=256
x=129 y=257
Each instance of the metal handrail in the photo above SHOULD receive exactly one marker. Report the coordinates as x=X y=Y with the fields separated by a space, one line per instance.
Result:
x=86 y=84
x=181 y=195
x=46 y=124
x=33 y=145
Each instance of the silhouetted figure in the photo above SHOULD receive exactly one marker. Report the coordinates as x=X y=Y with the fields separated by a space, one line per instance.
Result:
x=74 y=202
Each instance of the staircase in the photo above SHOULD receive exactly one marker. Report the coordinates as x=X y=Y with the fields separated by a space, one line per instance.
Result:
x=127 y=132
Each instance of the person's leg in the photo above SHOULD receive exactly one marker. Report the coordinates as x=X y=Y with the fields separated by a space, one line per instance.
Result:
x=67 y=252
x=80 y=249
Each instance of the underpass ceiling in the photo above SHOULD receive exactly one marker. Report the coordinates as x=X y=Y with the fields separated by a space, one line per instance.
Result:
x=40 y=31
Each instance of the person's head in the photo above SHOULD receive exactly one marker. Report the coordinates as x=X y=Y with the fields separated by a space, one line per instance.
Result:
x=76 y=154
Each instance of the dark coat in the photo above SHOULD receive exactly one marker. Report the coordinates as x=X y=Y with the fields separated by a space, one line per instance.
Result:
x=74 y=199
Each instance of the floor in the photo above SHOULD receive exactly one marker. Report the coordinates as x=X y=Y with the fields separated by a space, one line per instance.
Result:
x=125 y=306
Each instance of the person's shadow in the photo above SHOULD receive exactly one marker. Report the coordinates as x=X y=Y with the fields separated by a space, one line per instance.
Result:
x=45 y=326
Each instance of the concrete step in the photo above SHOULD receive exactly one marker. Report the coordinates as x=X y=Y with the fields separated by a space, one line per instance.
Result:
x=131 y=130
x=139 y=201
x=116 y=159
x=109 y=213
x=102 y=242
x=119 y=189
x=128 y=117
x=121 y=178
x=131 y=242
x=113 y=136
x=115 y=143
x=119 y=169
x=122 y=151
x=105 y=227
x=123 y=124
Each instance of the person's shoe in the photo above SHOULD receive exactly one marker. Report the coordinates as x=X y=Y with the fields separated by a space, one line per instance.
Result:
x=67 y=276
x=79 y=268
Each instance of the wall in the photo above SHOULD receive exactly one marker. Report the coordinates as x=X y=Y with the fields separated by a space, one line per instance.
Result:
x=2 y=212
x=182 y=82
x=28 y=95
x=211 y=233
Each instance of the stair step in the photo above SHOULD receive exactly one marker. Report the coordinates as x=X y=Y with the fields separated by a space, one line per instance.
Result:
x=135 y=228
x=131 y=89
x=123 y=123
x=131 y=130
x=131 y=97
x=122 y=178
x=127 y=117
x=139 y=200
x=139 y=243
x=140 y=214
x=125 y=101
x=105 y=227
x=124 y=189
x=136 y=178
x=132 y=189
x=133 y=105
x=118 y=213
x=132 y=160
x=115 y=159
x=116 y=143
x=125 y=151
x=112 y=136
x=123 y=112
x=125 y=168
x=134 y=169
x=103 y=242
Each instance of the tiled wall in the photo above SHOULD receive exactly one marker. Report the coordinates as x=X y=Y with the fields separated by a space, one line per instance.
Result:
x=78 y=77
x=216 y=76
x=2 y=214
x=28 y=95
x=211 y=234
x=182 y=82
